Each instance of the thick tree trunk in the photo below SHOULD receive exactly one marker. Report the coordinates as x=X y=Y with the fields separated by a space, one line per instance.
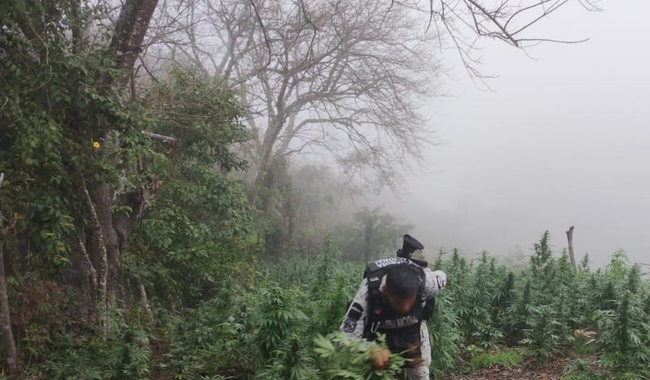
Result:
x=5 y=316
x=5 y=319
x=265 y=160
x=277 y=120
x=126 y=44
x=569 y=235
x=130 y=30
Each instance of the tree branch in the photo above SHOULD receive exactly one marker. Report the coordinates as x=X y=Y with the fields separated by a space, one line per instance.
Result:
x=162 y=138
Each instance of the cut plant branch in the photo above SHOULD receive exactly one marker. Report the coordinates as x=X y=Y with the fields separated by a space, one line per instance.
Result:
x=161 y=138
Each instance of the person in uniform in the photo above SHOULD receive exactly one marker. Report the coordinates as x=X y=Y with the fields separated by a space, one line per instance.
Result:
x=396 y=297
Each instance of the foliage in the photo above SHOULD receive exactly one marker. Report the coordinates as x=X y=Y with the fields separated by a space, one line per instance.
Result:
x=214 y=339
x=168 y=151
x=278 y=317
x=624 y=337
x=196 y=243
x=197 y=220
x=445 y=337
x=484 y=305
x=61 y=125
x=342 y=358
x=262 y=325
x=540 y=334
x=125 y=356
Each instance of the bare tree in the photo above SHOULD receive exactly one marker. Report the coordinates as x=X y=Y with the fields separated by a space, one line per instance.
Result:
x=341 y=76
x=344 y=77
x=467 y=22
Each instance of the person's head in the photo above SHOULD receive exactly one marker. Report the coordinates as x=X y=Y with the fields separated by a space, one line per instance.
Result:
x=401 y=290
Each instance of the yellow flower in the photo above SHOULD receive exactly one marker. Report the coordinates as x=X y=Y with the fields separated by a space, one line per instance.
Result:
x=96 y=145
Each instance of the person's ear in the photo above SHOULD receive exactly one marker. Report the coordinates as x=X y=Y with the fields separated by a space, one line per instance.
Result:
x=384 y=291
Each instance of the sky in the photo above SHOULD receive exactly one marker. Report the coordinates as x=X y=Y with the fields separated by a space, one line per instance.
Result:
x=562 y=139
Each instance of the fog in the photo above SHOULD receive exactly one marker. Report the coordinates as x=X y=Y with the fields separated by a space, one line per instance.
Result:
x=562 y=139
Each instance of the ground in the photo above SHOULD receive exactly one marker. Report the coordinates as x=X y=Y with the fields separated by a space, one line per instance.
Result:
x=159 y=349
x=552 y=369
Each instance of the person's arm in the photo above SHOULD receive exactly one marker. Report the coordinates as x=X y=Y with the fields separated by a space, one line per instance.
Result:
x=355 y=317
x=435 y=282
x=355 y=322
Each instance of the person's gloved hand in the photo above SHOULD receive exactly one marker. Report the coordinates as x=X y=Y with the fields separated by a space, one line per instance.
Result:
x=380 y=358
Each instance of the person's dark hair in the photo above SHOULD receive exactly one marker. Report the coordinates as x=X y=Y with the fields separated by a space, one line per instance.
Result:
x=403 y=281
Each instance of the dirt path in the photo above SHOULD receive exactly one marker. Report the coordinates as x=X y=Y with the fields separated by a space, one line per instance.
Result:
x=159 y=350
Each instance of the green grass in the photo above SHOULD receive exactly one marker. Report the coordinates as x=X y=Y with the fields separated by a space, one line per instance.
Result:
x=507 y=359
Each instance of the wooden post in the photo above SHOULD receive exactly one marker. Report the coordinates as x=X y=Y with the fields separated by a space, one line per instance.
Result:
x=569 y=235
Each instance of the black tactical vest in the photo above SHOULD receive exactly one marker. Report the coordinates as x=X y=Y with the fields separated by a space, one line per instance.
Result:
x=402 y=331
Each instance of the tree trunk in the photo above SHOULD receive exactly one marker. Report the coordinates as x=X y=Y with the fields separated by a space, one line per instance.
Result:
x=5 y=319
x=145 y=303
x=265 y=159
x=102 y=199
x=5 y=316
x=277 y=120
x=290 y=216
x=89 y=282
x=102 y=256
x=130 y=30
x=569 y=235
x=125 y=46
x=367 y=238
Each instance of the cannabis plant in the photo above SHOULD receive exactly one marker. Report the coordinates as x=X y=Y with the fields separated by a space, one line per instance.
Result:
x=343 y=358
x=624 y=337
